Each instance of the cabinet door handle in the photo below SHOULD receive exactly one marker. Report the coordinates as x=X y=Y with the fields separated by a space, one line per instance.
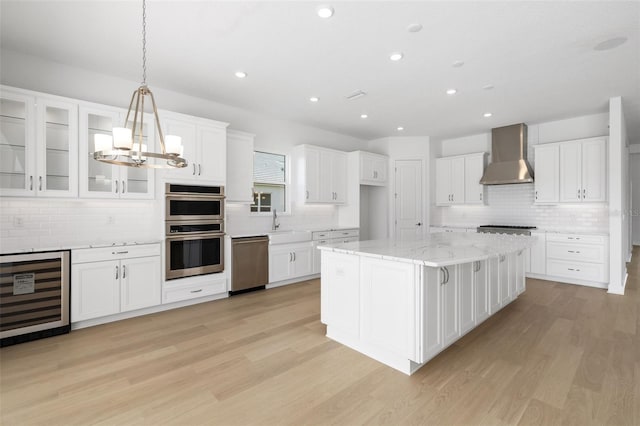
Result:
x=196 y=291
x=578 y=193
x=30 y=183
x=117 y=272
x=502 y=257
x=199 y=169
x=584 y=194
x=117 y=183
x=39 y=183
x=124 y=187
x=307 y=194
x=481 y=196
x=536 y=195
x=443 y=276
x=194 y=169
x=294 y=256
x=290 y=257
x=576 y=270
x=120 y=252
x=124 y=271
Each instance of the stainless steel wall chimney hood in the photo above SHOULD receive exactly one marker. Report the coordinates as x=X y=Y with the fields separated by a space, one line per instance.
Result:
x=508 y=157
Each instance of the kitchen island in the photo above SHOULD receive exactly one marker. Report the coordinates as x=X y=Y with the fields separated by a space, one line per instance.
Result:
x=401 y=302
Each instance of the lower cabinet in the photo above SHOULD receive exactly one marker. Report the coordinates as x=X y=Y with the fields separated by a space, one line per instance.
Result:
x=331 y=237
x=450 y=305
x=107 y=281
x=194 y=287
x=288 y=261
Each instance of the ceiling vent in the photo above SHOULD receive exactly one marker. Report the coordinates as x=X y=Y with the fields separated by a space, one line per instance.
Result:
x=355 y=95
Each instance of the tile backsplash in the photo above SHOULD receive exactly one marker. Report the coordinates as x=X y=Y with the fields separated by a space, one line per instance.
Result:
x=50 y=223
x=513 y=205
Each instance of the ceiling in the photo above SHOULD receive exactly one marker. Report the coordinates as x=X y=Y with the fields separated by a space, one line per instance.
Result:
x=539 y=57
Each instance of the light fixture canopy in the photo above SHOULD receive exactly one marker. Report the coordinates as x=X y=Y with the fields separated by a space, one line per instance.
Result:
x=396 y=56
x=126 y=147
x=325 y=11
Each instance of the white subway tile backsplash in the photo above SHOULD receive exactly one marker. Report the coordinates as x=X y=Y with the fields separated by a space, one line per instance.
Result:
x=513 y=205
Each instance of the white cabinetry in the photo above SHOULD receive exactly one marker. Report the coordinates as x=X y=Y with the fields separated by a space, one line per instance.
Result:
x=547 y=173
x=373 y=169
x=538 y=254
x=239 y=187
x=205 y=145
x=330 y=237
x=289 y=261
x=340 y=290
x=582 y=259
x=450 y=308
x=474 y=191
x=583 y=171
x=110 y=280
x=458 y=179
x=103 y=180
x=321 y=174
x=436 y=229
x=39 y=145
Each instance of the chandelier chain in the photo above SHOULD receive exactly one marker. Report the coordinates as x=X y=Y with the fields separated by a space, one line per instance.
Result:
x=144 y=43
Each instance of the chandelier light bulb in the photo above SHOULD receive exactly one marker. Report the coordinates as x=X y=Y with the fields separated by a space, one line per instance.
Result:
x=102 y=142
x=122 y=138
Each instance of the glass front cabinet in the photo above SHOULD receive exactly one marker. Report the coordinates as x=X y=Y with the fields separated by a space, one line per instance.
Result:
x=38 y=146
x=104 y=180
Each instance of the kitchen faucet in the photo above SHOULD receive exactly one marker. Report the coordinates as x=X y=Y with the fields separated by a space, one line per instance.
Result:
x=275 y=223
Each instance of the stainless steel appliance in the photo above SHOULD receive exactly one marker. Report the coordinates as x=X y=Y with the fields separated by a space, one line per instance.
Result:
x=34 y=296
x=194 y=202
x=249 y=263
x=505 y=229
x=508 y=157
x=194 y=230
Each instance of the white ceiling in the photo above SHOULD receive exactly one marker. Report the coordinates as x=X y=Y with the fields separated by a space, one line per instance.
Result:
x=539 y=57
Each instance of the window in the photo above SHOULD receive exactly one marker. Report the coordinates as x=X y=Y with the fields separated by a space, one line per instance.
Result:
x=269 y=182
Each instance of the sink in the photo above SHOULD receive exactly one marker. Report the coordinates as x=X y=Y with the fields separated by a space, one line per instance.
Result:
x=284 y=236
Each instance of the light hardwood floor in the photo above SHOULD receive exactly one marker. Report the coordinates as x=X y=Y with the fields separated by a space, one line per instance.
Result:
x=560 y=354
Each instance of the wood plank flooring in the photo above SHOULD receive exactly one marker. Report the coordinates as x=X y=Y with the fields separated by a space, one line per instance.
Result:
x=560 y=354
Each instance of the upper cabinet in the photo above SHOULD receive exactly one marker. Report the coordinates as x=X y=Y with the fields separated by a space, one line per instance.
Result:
x=546 y=173
x=571 y=172
x=373 y=169
x=239 y=187
x=205 y=147
x=583 y=171
x=103 y=180
x=321 y=174
x=458 y=179
x=38 y=145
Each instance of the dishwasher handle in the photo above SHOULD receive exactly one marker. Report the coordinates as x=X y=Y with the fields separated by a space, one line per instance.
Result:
x=249 y=240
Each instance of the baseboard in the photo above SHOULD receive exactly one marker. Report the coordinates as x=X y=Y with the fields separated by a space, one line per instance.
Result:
x=619 y=290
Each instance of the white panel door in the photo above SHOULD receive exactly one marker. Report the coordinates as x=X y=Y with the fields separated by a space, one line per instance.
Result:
x=339 y=177
x=239 y=185
x=280 y=259
x=187 y=131
x=547 y=174
x=408 y=198
x=95 y=290
x=326 y=179
x=594 y=170
x=312 y=176
x=302 y=261
x=340 y=292
x=140 y=283
x=539 y=254
x=450 y=306
x=467 y=296
x=570 y=172
x=473 y=170
x=482 y=291
x=457 y=181
x=213 y=155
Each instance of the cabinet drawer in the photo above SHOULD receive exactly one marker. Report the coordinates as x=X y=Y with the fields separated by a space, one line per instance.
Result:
x=577 y=238
x=193 y=291
x=348 y=239
x=345 y=233
x=114 y=253
x=321 y=235
x=576 y=252
x=577 y=270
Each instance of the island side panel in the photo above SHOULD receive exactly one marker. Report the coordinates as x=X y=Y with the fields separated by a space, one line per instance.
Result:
x=340 y=292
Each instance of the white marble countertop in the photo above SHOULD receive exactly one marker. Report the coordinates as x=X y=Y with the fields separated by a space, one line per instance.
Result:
x=79 y=246
x=539 y=229
x=436 y=250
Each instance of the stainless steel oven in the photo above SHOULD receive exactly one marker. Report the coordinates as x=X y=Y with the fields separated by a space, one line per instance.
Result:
x=194 y=202
x=194 y=230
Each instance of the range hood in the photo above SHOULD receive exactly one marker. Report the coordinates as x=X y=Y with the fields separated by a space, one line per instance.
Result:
x=508 y=157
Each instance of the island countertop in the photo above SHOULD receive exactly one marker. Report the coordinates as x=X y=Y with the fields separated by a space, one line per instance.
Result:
x=436 y=250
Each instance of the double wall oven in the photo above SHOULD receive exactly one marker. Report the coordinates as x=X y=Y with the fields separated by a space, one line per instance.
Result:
x=194 y=230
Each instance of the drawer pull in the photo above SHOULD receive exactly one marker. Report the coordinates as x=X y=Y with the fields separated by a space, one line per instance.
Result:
x=120 y=252
x=196 y=291
x=573 y=251
x=571 y=269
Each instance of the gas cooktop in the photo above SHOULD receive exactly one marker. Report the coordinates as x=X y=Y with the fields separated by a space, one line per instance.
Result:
x=506 y=229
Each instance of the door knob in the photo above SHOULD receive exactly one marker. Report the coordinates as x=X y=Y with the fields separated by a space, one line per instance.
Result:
x=418 y=224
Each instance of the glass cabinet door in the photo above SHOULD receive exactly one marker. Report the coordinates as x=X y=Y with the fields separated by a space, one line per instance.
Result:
x=17 y=147
x=139 y=182
x=57 y=148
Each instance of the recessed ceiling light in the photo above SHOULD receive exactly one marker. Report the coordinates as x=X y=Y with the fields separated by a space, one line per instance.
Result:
x=241 y=74
x=487 y=87
x=396 y=56
x=612 y=43
x=457 y=64
x=451 y=91
x=314 y=99
x=487 y=114
x=364 y=116
x=400 y=128
x=414 y=28
x=325 y=11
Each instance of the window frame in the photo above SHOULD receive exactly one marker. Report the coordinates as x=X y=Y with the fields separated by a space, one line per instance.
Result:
x=286 y=184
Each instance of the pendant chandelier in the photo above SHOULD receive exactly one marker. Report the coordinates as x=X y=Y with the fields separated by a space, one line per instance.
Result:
x=125 y=147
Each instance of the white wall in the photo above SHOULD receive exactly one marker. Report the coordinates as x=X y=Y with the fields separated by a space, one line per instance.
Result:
x=112 y=218
x=513 y=204
x=634 y=168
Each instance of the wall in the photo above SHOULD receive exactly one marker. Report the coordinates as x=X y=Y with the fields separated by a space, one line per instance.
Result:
x=634 y=168
x=513 y=204
x=49 y=219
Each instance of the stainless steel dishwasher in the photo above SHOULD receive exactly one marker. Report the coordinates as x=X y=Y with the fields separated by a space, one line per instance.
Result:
x=249 y=263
